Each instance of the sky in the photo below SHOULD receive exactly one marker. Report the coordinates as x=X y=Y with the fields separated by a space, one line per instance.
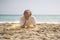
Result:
x=37 y=7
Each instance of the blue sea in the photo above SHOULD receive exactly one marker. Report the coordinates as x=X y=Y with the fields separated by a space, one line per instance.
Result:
x=39 y=18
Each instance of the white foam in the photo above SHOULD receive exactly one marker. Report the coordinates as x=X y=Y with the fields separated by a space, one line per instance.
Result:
x=9 y=21
x=36 y=22
x=48 y=22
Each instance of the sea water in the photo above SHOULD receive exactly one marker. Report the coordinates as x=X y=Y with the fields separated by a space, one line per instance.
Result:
x=39 y=18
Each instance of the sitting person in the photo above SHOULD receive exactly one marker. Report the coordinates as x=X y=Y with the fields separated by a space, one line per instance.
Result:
x=27 y=20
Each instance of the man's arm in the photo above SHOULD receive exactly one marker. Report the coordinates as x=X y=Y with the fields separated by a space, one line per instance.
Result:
x=22 y=22
x=34 y=21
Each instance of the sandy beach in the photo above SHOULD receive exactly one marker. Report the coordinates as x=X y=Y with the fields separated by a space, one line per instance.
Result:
x=45 y=32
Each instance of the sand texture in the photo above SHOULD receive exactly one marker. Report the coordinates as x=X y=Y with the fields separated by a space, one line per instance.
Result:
x=45 y=32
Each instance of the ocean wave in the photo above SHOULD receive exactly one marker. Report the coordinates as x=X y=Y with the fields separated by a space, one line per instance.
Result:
x=9 y=22
x=38 y=22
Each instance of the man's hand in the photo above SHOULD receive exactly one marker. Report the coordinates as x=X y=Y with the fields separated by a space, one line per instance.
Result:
x=31 y=26
x=23 y=26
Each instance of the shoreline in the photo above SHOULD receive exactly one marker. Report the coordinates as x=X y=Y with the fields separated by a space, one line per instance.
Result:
x=36 y=22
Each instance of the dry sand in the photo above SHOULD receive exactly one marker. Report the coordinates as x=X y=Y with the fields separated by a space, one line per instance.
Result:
x=45 y=32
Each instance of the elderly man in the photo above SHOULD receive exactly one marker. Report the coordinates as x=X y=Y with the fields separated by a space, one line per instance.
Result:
x=27 y=20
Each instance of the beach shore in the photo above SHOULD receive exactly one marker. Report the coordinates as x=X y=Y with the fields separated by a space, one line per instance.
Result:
x=45 y=32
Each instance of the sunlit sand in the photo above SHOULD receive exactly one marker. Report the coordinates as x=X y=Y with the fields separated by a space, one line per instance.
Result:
x=43 y=31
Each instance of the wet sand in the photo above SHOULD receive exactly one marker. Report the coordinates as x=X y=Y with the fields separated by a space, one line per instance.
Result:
x=45 y=32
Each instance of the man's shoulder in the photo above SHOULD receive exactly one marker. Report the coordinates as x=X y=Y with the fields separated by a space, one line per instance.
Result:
x=33 y=17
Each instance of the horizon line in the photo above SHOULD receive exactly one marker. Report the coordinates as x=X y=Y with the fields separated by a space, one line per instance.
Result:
x=21 y=14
